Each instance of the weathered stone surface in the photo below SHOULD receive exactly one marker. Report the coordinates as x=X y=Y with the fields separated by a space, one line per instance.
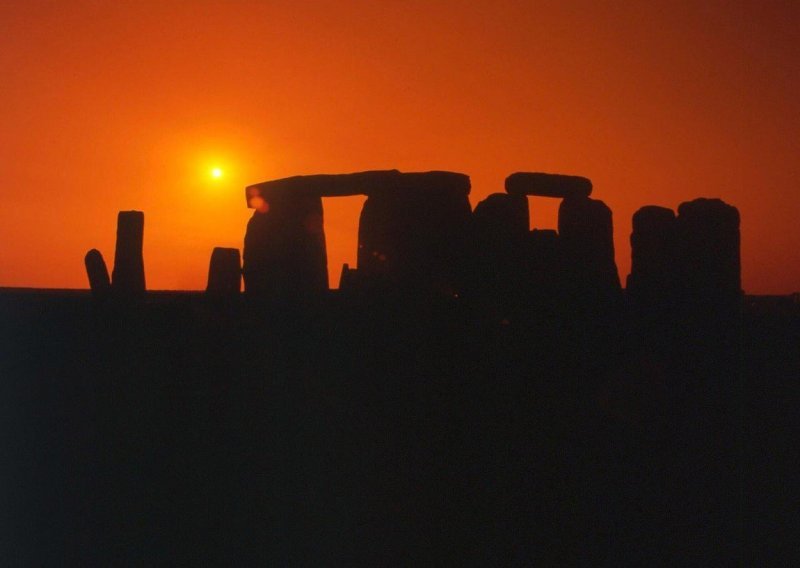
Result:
x=653 y=256
x=97 y=272
x=360 y=183
x=128 y=275
x=586 y=233
x=284 y=247
x=224 y=271
x=418 y=236
x=709 y=248
x=548 y=185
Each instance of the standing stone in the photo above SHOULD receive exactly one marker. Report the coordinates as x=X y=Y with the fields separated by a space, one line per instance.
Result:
x=284 y=247
x=128 y=276
x=416 y=236
x=500 y=232
x=709 y=249
x=98 y=273
x=586 y=233
x=653 y=279
x=224 y=272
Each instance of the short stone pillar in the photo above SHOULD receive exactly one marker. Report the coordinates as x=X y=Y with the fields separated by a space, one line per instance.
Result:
x=224 y=272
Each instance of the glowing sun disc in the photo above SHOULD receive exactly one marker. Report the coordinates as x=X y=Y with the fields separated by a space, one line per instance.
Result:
x=216 y=173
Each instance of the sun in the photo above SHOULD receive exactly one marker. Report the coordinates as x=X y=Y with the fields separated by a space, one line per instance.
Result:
x=216 y=173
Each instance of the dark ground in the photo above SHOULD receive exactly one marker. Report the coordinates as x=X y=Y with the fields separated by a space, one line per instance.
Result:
x=184 y=431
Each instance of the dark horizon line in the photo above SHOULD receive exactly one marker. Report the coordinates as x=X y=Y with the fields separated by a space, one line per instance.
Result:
x=199 y=291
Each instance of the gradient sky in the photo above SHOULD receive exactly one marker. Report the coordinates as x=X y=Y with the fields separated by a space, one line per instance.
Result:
x=128 y=105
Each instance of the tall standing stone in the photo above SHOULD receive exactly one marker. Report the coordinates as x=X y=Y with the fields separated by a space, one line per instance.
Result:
x=97 y=272
x=586 y=233
x=284 y=247
x=224 y=272
x=128 y=275
x=500 y=232
x=654 y=264
x=709 y=248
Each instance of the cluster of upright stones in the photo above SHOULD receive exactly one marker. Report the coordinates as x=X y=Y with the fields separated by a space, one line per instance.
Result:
x=685 y=281
x=413 y=232
x=545 y=269
x=692 y=257
x=127 y=280
x=417 y=233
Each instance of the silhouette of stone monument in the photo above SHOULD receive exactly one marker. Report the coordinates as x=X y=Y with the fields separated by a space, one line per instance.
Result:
x=412 y=232
x=224 y=272
x=586 y=233
x=128 y=275
x=653 y=279
x=97 y=272
x=709 y=248
x=581 y=256
x=284 y=247
x=500 y=232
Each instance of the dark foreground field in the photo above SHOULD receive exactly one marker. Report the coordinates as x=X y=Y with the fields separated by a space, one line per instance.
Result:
x=183 y=430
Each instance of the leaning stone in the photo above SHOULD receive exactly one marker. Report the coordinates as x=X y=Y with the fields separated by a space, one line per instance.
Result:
x=97 y=272
x=128 y=275
x=224 y=271
x=548 y=185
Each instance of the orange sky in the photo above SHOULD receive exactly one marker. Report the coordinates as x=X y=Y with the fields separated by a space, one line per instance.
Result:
x=107 y=106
